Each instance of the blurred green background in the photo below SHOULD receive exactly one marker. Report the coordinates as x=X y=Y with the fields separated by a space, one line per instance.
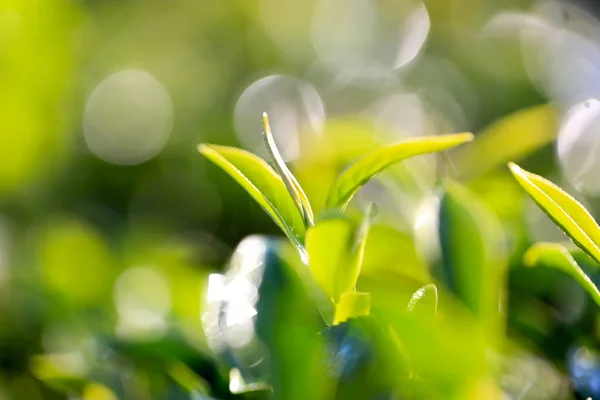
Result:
x=111 y=222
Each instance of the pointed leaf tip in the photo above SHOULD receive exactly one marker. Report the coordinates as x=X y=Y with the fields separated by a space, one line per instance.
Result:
x=201 y=148
x=514 y=168
x=292 y=185
x=266 y=125
x=566 y=212
x=469 y=137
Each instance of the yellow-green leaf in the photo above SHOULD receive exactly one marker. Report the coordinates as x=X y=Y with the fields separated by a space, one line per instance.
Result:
x=335 y=247
x=98 y=391
x=352 y=305
x=359 y=173
x=554 y=255
x=563 y=209
x=262 y=183
x=288 y=178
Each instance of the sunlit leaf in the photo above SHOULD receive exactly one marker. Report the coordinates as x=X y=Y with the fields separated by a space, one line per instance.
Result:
x=335 y=247
x=563 y=209
x=391 y=270
x=352 y=305
x=510 y=138
x=97 y=391
x=424 y=300
x=390 y=250
x=343 y=141
x=474 y=254
x=554 y=255
x=359 y=173
x=288 y=178
x=62 y=372
x=328 y=244
x=262 y=183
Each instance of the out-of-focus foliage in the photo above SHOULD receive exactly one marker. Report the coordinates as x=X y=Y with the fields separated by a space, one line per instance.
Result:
x=474 y=256
x=554 y=255
x=503 y=140
x=126 y=266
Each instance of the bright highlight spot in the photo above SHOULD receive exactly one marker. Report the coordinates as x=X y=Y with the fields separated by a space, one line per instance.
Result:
x=356 y=39
x=413 y=35
x=294 y=108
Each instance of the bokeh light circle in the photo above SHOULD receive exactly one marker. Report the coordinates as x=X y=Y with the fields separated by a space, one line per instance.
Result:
x=142 y=296
x=578 y=146
x=128 y=118
x=294 y=107
x=357 y=39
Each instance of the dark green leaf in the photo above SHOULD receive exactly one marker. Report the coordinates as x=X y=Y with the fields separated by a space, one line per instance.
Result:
x=474 y=254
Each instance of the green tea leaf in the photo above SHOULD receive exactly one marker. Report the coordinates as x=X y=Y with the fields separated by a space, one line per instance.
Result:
x=290 y=181
x=262 y=183
x=392 y=269
x=341 y=142
x=474 y=254
x=509 y=138
x=328 y=245
x=390 y=250
x=554 y=255
x=335 y=247
x=563 y=209
x=359 y=173
x=352 y=305
x=424 y=300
